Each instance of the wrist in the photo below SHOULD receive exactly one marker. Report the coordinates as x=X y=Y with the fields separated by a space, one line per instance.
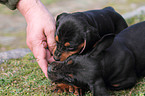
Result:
x=29 y=7
x=25 y=5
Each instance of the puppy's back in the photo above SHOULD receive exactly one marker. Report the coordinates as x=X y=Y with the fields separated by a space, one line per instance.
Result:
x=134 y=39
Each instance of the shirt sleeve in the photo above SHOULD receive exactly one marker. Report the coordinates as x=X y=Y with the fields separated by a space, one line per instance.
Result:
x=11 y=4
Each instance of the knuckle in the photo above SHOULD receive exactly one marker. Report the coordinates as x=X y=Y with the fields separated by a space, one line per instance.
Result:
x=50 y=30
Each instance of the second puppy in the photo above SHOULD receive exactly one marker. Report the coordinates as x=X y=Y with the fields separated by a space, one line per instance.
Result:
x=76 y=33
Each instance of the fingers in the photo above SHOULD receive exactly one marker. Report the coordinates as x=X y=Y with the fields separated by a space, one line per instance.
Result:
x=38 y=44
x=49 y=56
x=40 y=55
x=49 y=32
x=40 y=35
x=43 y=65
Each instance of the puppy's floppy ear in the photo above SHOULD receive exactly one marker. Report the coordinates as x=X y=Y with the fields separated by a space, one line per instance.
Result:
x=60 y=16
x=105 y=42
x=90 y=38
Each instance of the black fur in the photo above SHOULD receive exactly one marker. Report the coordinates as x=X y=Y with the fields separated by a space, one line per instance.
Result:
x=88 y=27
x=115 y=63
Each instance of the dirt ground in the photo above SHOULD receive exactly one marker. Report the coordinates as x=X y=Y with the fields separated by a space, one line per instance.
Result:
x=13 y=24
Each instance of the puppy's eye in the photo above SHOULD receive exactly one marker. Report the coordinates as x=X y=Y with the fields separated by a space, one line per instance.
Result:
x=70 y=62
x=71 y=48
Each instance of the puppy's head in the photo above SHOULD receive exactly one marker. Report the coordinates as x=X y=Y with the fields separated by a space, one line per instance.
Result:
x=73 y=35
x=80 y=71
x=69 y=72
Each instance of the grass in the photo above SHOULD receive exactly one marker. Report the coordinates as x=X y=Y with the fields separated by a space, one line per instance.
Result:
x=123 y=6
x=24 y=77
x=47 y=2
x=136 y=19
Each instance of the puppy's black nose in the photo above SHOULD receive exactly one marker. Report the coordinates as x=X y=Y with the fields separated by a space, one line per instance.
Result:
x=49 y=69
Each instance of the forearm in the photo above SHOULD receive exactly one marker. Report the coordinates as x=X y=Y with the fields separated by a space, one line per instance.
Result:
x=10 y=3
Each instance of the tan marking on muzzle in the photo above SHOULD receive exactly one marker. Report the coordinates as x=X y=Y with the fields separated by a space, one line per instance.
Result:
x=65 y=55
x=70 y=62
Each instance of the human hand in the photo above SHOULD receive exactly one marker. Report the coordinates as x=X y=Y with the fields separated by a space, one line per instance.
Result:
x=40 y=31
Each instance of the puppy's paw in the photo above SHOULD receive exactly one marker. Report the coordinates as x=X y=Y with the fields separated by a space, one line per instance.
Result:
x=60 y=88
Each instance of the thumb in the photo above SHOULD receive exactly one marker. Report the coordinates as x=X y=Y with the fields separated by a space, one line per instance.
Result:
x=40 y=55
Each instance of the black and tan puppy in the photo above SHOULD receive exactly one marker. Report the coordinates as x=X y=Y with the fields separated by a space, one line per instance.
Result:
x=115 y=63
x=78 y=32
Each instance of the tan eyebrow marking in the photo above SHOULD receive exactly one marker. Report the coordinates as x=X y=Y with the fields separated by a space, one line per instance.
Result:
x=71 y=75
x=65 y=54
x=70 y=62
x=67 y=44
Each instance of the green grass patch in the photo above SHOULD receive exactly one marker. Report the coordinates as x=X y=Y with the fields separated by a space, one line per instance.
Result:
x=24 y=77
x=136 y=19
x=124 y=6
x=47 y=2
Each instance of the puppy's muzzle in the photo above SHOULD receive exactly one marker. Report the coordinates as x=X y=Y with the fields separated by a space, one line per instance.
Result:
x=56 y=58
